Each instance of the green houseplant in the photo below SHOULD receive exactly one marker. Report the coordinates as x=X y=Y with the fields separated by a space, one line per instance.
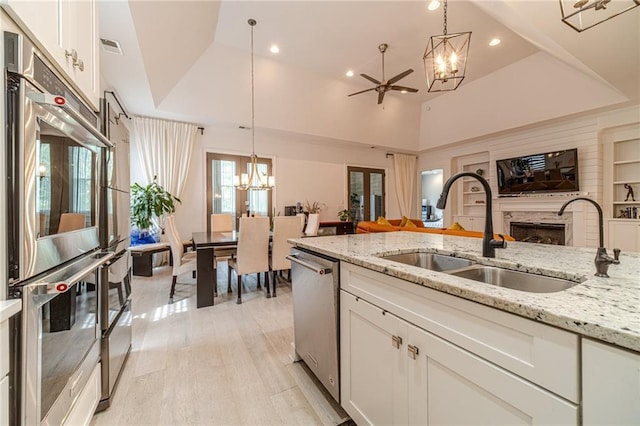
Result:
x=344 y=215
x=148 y=202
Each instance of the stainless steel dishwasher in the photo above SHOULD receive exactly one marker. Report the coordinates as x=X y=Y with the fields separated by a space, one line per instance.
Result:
x=315 y=287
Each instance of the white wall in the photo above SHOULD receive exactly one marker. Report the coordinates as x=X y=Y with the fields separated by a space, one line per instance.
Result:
x=519 y=96
x=306 y=168
x=582 y=133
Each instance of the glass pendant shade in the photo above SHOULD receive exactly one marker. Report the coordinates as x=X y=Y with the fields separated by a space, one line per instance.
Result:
x=584 y=14
x=445 y=61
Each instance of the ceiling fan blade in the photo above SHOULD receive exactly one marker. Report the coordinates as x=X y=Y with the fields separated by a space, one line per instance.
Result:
x=380 y=97
x=362 y=91
x=406 y=89
x=371 y=79
x=399 y=76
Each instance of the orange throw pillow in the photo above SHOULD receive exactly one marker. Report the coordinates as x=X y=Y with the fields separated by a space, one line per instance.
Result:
x=456 y=226
x=409 y=224
x=382 y=221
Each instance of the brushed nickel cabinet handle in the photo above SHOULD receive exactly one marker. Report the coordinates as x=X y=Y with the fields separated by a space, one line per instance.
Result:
x=396 y=341
x=412 y=351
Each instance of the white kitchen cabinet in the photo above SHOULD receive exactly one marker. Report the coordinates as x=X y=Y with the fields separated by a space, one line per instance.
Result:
x=610 y=385
x=624 y=234
x=470 y=223
x=373 y=377
x=67 y=32
x=396 y=373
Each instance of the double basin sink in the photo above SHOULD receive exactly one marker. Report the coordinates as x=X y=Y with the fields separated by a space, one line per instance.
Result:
x=465 y=268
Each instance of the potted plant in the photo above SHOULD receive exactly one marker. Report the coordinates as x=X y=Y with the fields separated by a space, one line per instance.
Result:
x=148 y=202
x=344 y=215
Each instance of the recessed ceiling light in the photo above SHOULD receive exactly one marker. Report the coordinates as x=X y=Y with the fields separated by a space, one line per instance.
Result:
x=274 y=48
x=349 y=73
x=433 y=5
x=494 y=42
x=403 y=91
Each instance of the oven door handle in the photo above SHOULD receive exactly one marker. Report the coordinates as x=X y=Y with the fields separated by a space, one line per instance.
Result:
x=58 y=107
x=321 y=270
x=64 y=284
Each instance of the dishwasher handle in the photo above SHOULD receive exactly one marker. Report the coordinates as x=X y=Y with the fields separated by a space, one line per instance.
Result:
x=318 y=270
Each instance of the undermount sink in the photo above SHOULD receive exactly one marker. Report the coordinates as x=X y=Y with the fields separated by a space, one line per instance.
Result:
x=432 y=261
x=513 y=279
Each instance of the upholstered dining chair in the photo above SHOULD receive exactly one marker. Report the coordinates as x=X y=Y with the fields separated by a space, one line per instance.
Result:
x=253 y=251
x=71 y=222
x=182 y=262
x=284 y=227
x=222 y=222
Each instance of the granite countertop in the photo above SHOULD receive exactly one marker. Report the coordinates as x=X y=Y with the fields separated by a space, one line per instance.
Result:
x=606 y=309
x=8 y=308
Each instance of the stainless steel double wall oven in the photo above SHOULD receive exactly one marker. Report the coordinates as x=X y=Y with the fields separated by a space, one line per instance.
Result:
x=55 y=157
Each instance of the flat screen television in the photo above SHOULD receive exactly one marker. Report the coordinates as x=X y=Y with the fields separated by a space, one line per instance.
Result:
x=549 y=172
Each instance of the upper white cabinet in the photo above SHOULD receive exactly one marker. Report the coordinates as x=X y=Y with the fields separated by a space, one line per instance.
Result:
x=67 y=31
x=622 y=171
x=610 y=385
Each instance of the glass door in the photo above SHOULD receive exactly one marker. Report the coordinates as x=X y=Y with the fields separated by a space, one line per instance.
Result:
x=366 y=193
x=223 y=197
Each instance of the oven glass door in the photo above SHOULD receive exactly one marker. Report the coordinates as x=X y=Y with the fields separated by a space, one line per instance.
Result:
x=69 y=324
x=66 y=183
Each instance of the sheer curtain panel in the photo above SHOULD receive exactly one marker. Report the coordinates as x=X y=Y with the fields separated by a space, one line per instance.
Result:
x=405 y=173
x=165 y=148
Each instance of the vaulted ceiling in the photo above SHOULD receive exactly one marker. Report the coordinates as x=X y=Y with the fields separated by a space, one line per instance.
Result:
x=189 y=60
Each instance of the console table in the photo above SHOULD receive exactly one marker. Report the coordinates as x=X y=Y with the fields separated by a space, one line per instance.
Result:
x=336 y=228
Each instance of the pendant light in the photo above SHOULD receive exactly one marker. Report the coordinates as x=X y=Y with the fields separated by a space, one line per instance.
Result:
x=253 y=180
x=445 y=59
x=584 y=14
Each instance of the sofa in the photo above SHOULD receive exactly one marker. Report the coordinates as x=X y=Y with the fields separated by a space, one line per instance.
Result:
x=368 y=227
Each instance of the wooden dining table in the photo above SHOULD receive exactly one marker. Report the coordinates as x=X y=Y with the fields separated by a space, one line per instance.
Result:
x=206 y=279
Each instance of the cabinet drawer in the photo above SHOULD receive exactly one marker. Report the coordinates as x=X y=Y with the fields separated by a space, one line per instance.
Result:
x=537 y=352
x=4 y=401
x=87 y=401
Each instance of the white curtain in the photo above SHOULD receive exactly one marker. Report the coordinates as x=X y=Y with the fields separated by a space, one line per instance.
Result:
x=165 y=148
x=405 y=173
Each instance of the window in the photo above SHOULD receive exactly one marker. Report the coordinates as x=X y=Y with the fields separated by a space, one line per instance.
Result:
x=222 y=196
x=366 y=193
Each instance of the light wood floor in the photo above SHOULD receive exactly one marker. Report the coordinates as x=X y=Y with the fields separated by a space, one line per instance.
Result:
x=226 y=364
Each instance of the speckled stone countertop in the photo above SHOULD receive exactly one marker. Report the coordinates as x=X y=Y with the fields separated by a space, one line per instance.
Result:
x=606 y=309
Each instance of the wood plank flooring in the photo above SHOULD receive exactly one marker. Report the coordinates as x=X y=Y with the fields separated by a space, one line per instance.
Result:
x=227 y=364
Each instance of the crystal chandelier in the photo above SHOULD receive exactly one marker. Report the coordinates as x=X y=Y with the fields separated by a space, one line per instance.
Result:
x=445 y=59
x=254 y=180
x=584 y=14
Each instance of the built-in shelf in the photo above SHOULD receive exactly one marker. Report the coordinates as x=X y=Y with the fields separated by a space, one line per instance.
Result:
x=475 y=205
x=622 y=182
x=627 y=203
x=473 y=192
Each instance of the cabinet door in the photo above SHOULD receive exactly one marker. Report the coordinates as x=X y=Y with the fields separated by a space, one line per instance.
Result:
x=373 y=377
x=38 y=18
x=81 y=34
x=610 y=385
x=449 y=385
x=624 y=234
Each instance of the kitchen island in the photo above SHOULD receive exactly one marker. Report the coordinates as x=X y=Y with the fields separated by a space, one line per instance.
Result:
x=569 y=357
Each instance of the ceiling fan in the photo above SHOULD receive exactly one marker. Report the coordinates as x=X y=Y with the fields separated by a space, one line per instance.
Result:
x=385 y=85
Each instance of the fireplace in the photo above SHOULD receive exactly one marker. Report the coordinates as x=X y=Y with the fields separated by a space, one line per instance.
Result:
x=541 y=233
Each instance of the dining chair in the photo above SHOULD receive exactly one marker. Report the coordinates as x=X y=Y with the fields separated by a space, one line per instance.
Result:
x=253 y=251
x=71 y=222
x=182 y=262
x=284 y=228
x=222 y=222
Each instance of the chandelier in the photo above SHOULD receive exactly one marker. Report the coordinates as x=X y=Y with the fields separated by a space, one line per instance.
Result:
x=445 y=59
x=254 y=180
x=584 y=14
